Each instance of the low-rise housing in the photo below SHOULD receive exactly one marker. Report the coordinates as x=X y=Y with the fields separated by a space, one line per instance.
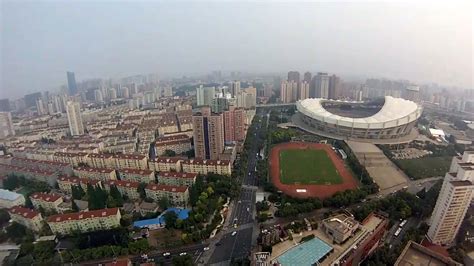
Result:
x=177 y=195
x=203 y=167
x=178 y=143
x=148 y=208
x=137 y=175
x=31 y=219
x=46 y=201
x=65 y=183
x=166 y=164
x=102 y=174
x=176 y=178
x=74 y=159
x=126 y=188
x=65 y=224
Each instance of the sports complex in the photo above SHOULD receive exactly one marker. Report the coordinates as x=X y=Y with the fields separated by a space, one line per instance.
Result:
x=387 y=119
x=301 y=169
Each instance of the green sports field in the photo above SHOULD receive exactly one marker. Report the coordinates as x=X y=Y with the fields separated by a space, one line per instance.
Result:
x=307 y=167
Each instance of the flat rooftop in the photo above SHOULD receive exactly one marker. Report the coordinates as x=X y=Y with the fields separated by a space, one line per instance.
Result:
x=415 y=254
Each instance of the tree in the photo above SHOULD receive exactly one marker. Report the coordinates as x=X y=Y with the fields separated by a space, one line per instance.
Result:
x=169 y=153
x=170 y=219
x=164 y=203
x=74 y=206
x=77 y=192
x=116 y=195
x=4 y=216
x=141 y=190
x=183 y=260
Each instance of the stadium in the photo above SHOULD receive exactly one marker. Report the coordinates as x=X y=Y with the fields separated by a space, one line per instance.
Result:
x=390 y=119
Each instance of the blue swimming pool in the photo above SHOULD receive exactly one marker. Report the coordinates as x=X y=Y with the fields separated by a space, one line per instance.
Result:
x=305 y=254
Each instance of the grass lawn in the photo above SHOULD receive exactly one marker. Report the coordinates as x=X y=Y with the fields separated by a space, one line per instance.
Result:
x=307 y=167
x=425 y=167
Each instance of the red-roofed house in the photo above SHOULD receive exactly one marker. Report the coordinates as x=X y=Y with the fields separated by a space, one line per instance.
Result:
x=176 y=178
x=46 y=201
x=166 y=164
x=177 y=195
x=198 y=166
x=128 y=188
x=104 y=219
x=178 y=143
x=137 y=175
x=95 y=173
x=65 y=183
x=27 y=217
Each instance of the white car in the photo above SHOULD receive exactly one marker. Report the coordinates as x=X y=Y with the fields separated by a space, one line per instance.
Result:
x=183 y=254
x=234 y=233
x=206 y=249
x=166 y=254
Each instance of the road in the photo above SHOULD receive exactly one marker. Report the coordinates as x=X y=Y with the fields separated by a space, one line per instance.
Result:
x=240 y=244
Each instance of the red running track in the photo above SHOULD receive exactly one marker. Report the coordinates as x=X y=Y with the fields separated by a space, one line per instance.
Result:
x=319 y=191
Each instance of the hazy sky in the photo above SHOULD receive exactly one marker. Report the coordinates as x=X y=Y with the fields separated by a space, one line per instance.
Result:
x=421 y=42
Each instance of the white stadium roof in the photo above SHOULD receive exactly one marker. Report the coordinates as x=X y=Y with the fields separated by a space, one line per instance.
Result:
x=394 y=112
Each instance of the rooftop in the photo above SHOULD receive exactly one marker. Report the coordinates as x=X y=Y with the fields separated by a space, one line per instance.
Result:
x=9 y=195
x=206 y=162
x=25 y=212
x=135 y=171
x=45 y=196
x=82 y=215
x=122 y=183
x=168 y=188
x=416 y=254
x=178 y=175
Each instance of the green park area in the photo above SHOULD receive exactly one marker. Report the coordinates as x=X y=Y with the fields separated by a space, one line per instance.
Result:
x=307 y=166
x=425 y=167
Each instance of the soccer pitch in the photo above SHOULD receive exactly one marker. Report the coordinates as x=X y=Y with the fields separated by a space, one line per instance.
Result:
x=308 y=166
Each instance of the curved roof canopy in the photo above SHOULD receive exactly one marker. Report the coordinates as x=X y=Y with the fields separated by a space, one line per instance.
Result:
x=395 y=112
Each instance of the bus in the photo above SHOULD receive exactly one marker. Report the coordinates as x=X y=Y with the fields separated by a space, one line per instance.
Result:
x=397 y=232
x=403 y=223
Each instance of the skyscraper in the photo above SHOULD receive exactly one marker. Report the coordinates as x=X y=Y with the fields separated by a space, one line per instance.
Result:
x=74 y=118
x=4 y=105
x=307 y=77
x=334 y=87
x=234 y=124
x=235 y=88
x=288 y=91
x=71 y=83
x=294 y=76
x=320 y=87
x=208 y=131
x=205 y=95
x=303 y=91
x=6 y=125
x=453 y=200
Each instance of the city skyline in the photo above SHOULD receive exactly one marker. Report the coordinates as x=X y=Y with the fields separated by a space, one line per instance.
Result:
x=366 y=40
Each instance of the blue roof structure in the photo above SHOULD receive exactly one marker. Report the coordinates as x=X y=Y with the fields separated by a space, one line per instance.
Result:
x=9 y=195
x=305 y=254
x=159 y=221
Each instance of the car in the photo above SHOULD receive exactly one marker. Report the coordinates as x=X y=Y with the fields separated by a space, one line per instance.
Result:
x=248 y=209
x=166 y=254
x=235 y=225
x=234 y=233
x=205 y=249
x=183 y=254
x=218 y=244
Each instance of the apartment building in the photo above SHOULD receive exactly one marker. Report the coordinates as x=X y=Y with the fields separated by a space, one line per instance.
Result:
x=48 y=202
x=9 y=199
x=168 y=125
x=126 y=188
x=100 y=160
x=208 y=130
x=453 y=200
x=180 y=143
x=65 y=183
x=166 y=164
x=122 y=161
x=29 y=173
x=65 y=224
x=203 y=167
x=176 y=179
x=51 y=166
x=101 y=174
x=31 y=219
x=185 y=123
x=145 y=176
x=177 y=195
x=73 y=159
